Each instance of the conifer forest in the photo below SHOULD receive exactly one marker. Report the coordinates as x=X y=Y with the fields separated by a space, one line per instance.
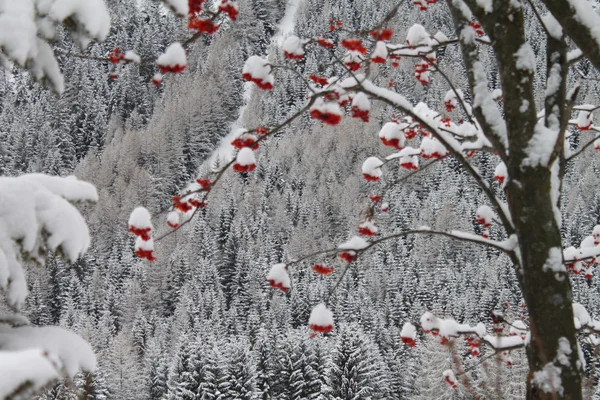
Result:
x=299 y=199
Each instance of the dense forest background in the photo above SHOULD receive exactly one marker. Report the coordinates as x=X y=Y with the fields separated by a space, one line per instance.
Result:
x=201 y=321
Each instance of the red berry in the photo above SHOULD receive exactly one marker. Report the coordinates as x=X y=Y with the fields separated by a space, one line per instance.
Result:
x=322 y=269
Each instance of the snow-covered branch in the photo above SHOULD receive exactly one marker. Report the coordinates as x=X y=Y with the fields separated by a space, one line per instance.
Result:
x=27 y=27
x=36 y=215
x=581 y=23
x=484 y=105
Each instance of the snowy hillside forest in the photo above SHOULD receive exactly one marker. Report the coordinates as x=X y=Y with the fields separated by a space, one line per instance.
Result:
x=201 y=321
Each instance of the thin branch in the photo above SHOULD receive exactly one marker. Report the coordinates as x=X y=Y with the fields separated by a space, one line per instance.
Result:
x=451 y=235
x=337 y=283
x=581 y=150
x=466 y=109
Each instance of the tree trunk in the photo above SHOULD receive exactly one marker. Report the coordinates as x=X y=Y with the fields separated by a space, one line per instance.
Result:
x=546 y=288
x=533 y=206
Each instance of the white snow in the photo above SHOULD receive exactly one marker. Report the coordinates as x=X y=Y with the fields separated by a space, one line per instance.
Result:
x=327 y=107
x=353 y=57
x=35 y=211
x=416 y=35
x=407 y=151
x=173 y=219
x=507 y=245
x=540 y=146
x=580 y=316
x=518 y=328
x=372 y=167
x=554 y=262
x=409 y=331
x=449 y=377
x=392 y=130
x=287 y=23
x=431 y=147
x=563 y=352
x=450 y=99
x=91 y=16
x=596 y=233
x=485 y=215
x=486 y=5
x=555 y=191
x=440 y=37
x=146 y=245
x=587 y=16
x=355 y=243
x=487 y=103
x=552 y=25
x=173 y=55
x=74 y=353
x=69 y=188
x=584 y=119
x=279 y=275
x=26 y=371
x=574 y=54
x=501 y=173
x=321 y=316
x=548 y=379
x=409 y=162
x=448 y=327
x=503 y=342
x=361 y=101
x=395 y=98
x=140 y=218
x=245 y=157
x=368 y=224
x=587 y=242
x=132 y=56
x=294 y=46
x=380 y=52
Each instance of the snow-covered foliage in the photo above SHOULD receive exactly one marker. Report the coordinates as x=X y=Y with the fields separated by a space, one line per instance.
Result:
x=27 y=26
x=36 y=216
